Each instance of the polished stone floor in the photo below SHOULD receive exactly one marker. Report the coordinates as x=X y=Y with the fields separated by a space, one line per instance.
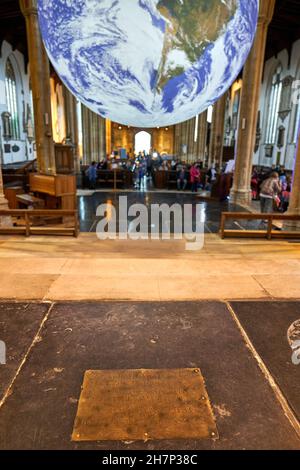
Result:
x=211 y=209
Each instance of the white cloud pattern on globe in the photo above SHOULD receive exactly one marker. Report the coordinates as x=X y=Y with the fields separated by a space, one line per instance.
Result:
x=148 y=63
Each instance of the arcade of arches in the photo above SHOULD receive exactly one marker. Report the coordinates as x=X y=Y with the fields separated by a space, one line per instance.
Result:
x=70 y=304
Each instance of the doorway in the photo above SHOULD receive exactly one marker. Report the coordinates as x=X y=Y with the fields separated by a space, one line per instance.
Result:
x=142 y=142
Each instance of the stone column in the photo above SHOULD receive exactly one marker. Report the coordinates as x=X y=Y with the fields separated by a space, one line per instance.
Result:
x=252 y=76
x=202 y=136
x=177 y=131
x=72 y=124
x=184 y=141
x=184 y=134
x=108 y=137
x=192 y=155
x=94 y=136
x=217 y=132
x=86 y=135
x=40 y=82
x=102 y=124
x=4 y=221
x=294 y=206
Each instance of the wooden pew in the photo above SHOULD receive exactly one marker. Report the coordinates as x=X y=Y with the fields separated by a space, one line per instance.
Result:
x=28 y=216
x=267 y=232
x=11 y=194
x=58 y=191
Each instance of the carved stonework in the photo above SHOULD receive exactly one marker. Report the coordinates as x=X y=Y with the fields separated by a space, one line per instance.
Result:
x=228 y=126
x=269 y=151
x=29 y=127
x=286 y=97
x=7 y=127
x=281 y=137
x=258 y=133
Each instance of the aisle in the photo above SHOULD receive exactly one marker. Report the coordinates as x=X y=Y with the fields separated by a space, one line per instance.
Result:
x=42 y=389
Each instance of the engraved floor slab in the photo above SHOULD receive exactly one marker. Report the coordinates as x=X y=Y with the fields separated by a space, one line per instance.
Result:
x=41 y=411
x=142 y=405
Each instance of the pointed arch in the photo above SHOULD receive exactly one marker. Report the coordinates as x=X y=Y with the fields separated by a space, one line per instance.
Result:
x=273 y=105
x=11 y=92
x=142 y=142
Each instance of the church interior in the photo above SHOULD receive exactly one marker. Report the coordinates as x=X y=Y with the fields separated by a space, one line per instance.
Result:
x=75 y=308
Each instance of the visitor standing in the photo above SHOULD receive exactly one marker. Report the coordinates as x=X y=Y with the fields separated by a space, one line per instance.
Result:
x=195 y=177
x=269 y=191
x=92 y=175
x=182 y=179
x=211 y=177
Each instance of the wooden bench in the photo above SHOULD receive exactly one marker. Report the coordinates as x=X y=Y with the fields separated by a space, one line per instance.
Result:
x=268 y=232
x=29 y=215
x=108 y=178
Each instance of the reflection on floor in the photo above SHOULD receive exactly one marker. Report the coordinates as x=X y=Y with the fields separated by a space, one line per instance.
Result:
x=211 y=209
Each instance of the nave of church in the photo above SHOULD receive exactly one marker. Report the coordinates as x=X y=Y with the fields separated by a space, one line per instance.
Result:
x=191 y=271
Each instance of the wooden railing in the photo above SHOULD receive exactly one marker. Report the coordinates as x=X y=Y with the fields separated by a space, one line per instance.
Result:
x=29 y=229
x=108 y=178
x=269 y=231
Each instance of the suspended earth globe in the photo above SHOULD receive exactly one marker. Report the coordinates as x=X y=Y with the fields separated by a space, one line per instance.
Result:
x=148 y=63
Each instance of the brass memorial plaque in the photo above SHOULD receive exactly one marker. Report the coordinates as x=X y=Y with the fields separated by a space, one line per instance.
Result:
x=131 y=405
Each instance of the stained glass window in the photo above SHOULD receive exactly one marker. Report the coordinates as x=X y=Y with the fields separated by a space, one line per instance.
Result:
x=273 y=109
x=11 y=97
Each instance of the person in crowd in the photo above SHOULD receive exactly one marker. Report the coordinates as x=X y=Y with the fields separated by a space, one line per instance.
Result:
x=92 y=175
x=284 y=200
x=195 y=177
x=164 y=166
x=282 y=176
x=129 y=165
x=141 y=173
x=114 y=165
x=173 y=164
x=269 y=191
x=255 y=184
x=211 y=177
x=285 y=194
x=149 y=165
x=102 y=165
x=182 y=178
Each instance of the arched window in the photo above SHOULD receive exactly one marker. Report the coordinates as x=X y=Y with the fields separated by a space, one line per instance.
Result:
x=11 y=98
x=142 y=142
x=273 y=109
x=296 y=124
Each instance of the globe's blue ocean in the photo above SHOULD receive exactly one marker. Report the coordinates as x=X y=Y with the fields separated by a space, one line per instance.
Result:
x=148 y=63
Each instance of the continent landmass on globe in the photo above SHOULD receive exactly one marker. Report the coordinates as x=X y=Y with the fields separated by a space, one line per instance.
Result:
x=148 y=63
x=191 y=25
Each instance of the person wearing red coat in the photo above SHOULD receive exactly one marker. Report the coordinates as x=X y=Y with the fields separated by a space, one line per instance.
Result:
x=195 y=177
